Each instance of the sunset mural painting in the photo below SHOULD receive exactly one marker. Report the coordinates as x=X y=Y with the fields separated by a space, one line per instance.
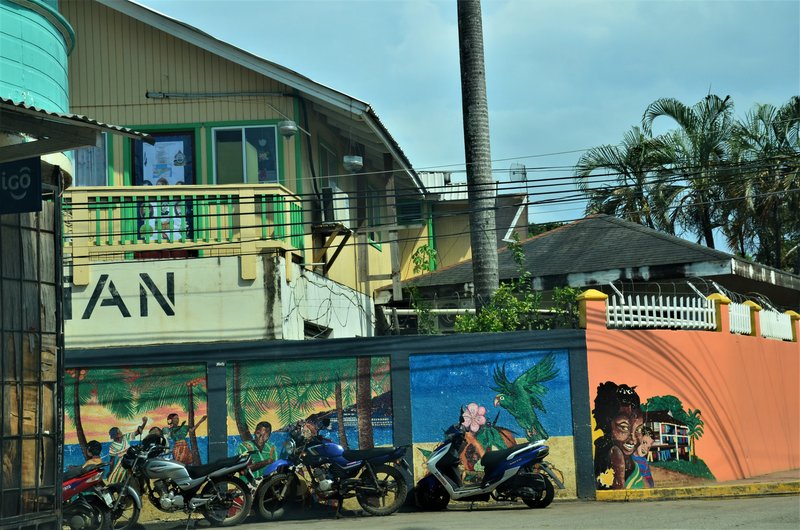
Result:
x=353 y=392
x=501 y=399
x=126 y=403
x=634 y=440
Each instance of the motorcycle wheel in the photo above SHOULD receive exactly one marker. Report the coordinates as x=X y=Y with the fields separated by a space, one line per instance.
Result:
x=432 y=497
x=270 y=499
x=126 y=514
x=85 y=517
x=544 y=497
x=385 y=497
x=231 y=504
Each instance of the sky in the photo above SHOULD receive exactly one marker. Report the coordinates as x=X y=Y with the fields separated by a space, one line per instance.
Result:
x=562 y=76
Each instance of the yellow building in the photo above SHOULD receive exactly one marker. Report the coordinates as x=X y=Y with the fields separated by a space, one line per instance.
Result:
x=266 y=208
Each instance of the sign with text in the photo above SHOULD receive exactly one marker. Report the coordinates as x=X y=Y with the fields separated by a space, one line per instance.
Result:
x=21 y=186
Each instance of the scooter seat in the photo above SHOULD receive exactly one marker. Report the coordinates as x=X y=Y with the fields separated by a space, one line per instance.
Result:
x=207 y=469
x=494 y=458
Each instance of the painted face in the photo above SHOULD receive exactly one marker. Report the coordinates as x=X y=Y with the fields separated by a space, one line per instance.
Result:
x=262 y=435
x=644 y=445
x=173 y=421
x=625 y=431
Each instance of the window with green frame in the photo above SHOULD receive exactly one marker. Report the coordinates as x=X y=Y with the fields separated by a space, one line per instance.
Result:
x=245 y=154
x=374 y=215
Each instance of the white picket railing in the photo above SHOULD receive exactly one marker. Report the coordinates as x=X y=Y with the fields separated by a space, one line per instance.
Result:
x=740 y=319
x=775 y=325
x=656 y=311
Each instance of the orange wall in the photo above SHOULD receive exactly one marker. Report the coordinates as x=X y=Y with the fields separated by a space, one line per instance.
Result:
x=747 y=388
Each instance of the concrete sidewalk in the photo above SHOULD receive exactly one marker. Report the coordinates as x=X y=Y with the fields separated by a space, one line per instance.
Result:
x=778 y=483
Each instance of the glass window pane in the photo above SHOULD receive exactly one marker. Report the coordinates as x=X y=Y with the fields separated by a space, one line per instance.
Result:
x=91 y=166
x=260 y=154
x=228 y=156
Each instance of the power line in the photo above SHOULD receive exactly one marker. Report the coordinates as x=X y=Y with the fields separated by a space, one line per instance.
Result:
x=217 y=244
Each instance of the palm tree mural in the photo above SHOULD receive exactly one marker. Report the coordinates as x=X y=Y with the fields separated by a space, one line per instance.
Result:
x=181 y=386
x=294 y=389
x=100 y=386
x=695 y=426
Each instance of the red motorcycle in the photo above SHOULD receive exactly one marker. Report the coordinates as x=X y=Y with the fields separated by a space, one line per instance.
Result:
x=87 y=505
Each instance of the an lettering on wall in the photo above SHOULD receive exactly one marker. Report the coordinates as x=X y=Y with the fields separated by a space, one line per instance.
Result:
x=107 y=295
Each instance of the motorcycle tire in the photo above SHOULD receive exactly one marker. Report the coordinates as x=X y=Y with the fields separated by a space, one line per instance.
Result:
x=432 y=497
x=126 y=515
x=545 y=496
x=86 y=517
x=391 y=487
x=231 y=504
x=270 y=500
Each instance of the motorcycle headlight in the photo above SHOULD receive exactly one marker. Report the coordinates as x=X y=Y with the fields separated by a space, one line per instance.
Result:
x=289 y=446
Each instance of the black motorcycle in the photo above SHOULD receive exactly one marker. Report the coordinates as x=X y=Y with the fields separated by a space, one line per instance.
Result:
x=333 y=473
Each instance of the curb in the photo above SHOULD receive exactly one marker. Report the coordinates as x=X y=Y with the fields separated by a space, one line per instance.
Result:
x=701 y=492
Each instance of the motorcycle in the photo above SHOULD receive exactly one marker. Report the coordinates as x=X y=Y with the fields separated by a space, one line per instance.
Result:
x=518 y=472
x=86 y=504
x=212 y=489
x=334 y=473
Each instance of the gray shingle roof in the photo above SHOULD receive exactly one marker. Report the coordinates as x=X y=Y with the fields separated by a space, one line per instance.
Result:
x=596 y=243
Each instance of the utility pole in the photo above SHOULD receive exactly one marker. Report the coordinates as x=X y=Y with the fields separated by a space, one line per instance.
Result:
x=480 y=185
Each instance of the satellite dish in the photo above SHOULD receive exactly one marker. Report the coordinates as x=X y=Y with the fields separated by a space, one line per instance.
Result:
x=518 y=180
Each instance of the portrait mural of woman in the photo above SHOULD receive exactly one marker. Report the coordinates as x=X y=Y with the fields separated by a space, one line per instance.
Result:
x=642 y=442
x=618 y=414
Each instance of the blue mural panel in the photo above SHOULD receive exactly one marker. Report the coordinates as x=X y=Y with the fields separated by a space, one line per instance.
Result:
x=527 y=393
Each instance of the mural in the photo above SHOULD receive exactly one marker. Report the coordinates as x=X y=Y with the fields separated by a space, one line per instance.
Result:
x=637 y=442
x=266 y=398
x=501 y=398
x=108 y=409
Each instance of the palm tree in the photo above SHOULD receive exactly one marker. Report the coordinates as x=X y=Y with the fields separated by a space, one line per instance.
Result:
x=766 y=148
x=637 y=193
x=695 y=426
x=182 y=386
x=697 y=150
x=478 y=153
x=100 y=385
x=364 y=402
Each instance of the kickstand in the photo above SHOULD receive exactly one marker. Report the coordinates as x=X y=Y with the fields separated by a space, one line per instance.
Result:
x=471 y=505
x=189 y=519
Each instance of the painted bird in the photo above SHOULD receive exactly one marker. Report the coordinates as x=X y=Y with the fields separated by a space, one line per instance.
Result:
x=523 y=397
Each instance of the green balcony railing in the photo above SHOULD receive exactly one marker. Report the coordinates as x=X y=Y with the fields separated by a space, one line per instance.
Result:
x=126 y=223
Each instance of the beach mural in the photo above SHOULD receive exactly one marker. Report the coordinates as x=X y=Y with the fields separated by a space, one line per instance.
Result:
x=500 y=398
x=635 y=441
x=108 y=409
x=265 y=398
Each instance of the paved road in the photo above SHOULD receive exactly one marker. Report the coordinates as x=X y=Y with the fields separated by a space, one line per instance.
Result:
x=774 y=512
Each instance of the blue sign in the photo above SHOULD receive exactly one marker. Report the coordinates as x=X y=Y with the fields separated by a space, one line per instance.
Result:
x=21 y=186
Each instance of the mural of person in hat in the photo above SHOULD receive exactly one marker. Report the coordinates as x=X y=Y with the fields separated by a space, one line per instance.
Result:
x=119 y=445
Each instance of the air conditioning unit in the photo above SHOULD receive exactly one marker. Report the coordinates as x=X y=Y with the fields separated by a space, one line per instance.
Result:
x=335 y=206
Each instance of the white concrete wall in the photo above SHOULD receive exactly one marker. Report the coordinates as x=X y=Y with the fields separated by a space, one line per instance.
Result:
x=313 y=298
x=130 y=303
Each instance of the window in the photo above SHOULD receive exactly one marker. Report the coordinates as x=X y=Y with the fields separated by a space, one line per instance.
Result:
x=409 y=212
x=245 y=155
x=169 y=161
x=91 y=164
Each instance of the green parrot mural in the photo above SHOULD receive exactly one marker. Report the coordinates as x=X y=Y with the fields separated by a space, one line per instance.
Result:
x=523 y=396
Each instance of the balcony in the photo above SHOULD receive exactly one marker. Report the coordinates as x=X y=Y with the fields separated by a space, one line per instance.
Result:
x=129 y=223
